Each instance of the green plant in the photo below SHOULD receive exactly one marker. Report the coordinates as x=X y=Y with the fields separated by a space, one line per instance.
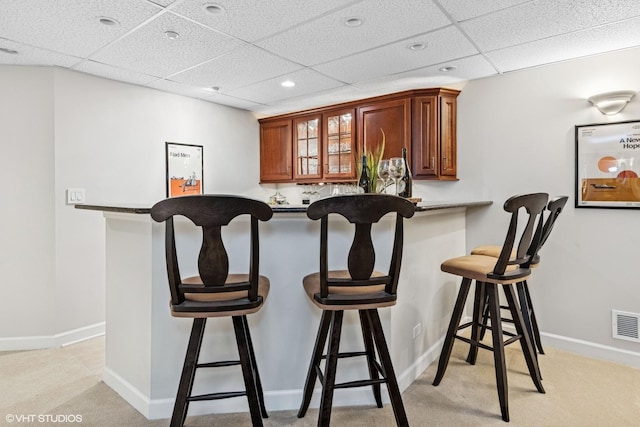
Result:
x=373 y=158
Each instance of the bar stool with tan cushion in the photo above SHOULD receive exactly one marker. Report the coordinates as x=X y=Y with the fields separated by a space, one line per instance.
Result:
x=554 y=208
x=214 y=292
x=360 y=288
x=511 y=266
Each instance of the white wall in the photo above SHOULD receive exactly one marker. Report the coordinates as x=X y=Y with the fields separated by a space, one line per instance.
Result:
x=516 y=135
x=62 y=129
x=27 y=216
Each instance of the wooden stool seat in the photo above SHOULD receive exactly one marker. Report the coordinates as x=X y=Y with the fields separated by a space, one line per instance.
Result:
x=214 y=292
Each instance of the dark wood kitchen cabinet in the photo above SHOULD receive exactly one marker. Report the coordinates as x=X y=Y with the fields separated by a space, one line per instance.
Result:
x=275 y=151
x=391 y=116
x=318 y=145
x=434 y=154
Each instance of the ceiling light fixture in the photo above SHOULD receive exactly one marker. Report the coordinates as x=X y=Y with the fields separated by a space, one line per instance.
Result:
x=105 y=20
x=417 y=46
x=171 y=35
x=288 y=83
x=9 y=51
x=353 y=22
x=448 y=68
x=214 y=9
x=612 y=102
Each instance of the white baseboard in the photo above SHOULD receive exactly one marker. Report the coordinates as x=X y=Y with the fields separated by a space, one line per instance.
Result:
x=590 y=349
x=58 y=340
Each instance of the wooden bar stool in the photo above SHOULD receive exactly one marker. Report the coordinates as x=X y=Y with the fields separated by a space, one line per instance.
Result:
x=358 y=288
x=554 y=209
x=215 y=292
x=511 y=266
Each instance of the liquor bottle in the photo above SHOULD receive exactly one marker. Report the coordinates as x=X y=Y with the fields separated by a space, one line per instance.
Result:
x=364 y=182
x=406 y=177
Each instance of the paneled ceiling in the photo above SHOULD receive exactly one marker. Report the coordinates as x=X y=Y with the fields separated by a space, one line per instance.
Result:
x=238 y=52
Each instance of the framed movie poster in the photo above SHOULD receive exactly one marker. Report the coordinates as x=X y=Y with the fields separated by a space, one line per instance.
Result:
x=184 y=169
x=608 y=165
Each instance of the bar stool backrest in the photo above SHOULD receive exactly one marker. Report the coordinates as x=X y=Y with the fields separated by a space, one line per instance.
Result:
x=362 y=210
x=526 y=239
x=555 y=207
x=211 y=213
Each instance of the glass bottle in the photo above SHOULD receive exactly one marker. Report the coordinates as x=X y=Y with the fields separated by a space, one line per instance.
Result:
x=406 y=177
x=364 y=182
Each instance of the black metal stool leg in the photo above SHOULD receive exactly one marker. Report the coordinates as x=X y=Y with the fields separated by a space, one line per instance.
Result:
x=247 y=371
x=312 y=374
x=254 y=365
x=445 y=354
x=188 y=373
x=326 y=400
x=525 y=342
x=476 y=325
x=385 y=360
x=371 y=355
x=498 y=349
x=534 y=322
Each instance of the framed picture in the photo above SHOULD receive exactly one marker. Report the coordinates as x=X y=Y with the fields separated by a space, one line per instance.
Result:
x=184 y=169
x=608 y=165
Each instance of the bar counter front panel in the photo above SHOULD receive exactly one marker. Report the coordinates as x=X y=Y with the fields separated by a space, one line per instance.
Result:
x=145 y=346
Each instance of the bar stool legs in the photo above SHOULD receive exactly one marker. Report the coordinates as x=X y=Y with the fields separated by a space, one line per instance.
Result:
x=188 y=373
x=373 y=336
x=489 y=291
x=253 y=385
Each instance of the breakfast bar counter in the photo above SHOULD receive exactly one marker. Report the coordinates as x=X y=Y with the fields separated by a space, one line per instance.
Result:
x=145 y=346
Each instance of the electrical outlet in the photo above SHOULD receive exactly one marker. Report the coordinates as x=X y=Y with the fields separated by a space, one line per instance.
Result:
x=417 y=330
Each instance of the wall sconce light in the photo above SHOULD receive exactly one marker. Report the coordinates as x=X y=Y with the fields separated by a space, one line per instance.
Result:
x=612 y=102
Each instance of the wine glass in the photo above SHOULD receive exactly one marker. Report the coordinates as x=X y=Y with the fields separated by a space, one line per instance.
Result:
x=396 y=168
x=384 y=173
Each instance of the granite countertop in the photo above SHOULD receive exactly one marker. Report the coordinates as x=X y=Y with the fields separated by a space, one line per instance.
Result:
x=142 y=209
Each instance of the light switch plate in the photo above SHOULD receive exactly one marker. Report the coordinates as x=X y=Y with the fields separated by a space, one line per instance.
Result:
x=75 y=196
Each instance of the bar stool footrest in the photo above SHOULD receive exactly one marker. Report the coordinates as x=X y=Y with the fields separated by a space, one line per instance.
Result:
x=218 y=364
x=216 y=396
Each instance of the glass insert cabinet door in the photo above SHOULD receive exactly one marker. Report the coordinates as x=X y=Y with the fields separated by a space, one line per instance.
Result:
x=307 y=150
x=339 y=145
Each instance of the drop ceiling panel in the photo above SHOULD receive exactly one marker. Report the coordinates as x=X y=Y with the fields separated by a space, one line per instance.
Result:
x=328 y=38
x=583 y=43
x=114 y=73
x=241 y=67
x=148 y=50
x=442 y=45
x=307 y=82
x=474 y=67
x=545 y=18
x=222 y=99
x=70 y=26
x=251 y=20
x=463 y=10
x=28 y=55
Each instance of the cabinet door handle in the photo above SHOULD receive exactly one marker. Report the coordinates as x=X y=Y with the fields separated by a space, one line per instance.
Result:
x=433 y=162
x=446 y=164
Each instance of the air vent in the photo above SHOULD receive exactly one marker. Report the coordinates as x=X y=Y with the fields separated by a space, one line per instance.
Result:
x=625 y=325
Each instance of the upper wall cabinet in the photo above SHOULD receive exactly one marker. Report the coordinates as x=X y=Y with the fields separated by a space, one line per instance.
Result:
x=321 y=143
x=275 y=151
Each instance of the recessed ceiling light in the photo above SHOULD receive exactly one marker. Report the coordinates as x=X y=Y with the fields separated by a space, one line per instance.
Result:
x=288 y=83
x=353 y=22
x=105 y=20
x=9 y=51
x=417 y=46
x=214 y=9
x=448 y=68
x=171 y=35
